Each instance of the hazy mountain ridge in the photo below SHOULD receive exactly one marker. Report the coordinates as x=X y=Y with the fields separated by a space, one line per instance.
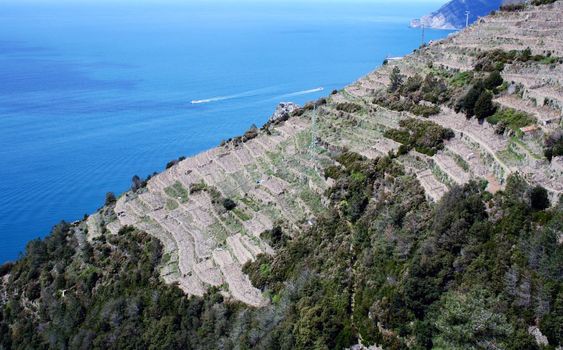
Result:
x=452 y=15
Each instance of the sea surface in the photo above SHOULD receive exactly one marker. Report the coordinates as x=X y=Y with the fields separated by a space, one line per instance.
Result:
x=94 y=92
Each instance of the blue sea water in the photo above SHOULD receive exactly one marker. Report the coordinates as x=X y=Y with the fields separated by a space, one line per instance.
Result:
x=92 y=93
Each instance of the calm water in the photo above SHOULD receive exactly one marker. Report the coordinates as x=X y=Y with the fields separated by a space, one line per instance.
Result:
x=91 y=94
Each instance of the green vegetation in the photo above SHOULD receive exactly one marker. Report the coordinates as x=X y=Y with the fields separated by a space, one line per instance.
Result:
x=490 y=61
x=484 y=106
x=424 y=136
x=198 y=187
x=241 y=214
x=171 y=204
x=171 y=163
x=513 y=7
x=348 y=107
x=137 y=183
x=478 y=101
x=416 y=95
x=177 y=191
x=229 y=204
x=461 y=79
x=511 y=118
x=494 y=80
x=395 y=80
x=382 y=264
x=110 y=199
x=107 y=294
x=539 y=199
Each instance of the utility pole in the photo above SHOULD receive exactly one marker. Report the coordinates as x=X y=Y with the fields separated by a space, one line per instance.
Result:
x=467 y=19
x=313 y=145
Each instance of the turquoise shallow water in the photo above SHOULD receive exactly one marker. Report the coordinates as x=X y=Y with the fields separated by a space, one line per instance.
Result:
x=92 y=94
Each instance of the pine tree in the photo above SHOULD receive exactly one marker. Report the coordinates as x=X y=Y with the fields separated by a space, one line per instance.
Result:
x=484 y=106
x=494 y=80
x=396 y=79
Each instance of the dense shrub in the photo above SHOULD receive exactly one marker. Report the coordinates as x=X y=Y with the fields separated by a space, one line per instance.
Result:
x=484 y=106
x=137 y=183
x=110 y=198
x=395 y=79
x=511 y=118
x=467 y=102
x=494 y=80
x=495 y=60
x=173 y=162
x=348 y=107
x=229 y=204
x=539 y=199
x=411 y=95
x=513 y=7
x=424 y=136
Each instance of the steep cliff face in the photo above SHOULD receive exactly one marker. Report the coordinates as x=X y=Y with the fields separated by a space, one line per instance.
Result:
x=452 y=15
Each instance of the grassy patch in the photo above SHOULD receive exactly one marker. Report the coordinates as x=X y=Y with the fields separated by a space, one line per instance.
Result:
x=462 y=79
x=250 y=203
x=230 y=221
x=177 y=191
x=523 y=145
x=218 y=232
x=241 y=214
x=312 y=200
x=171 y=204
x=511 y=155
x=512 y=118
x=461 y=162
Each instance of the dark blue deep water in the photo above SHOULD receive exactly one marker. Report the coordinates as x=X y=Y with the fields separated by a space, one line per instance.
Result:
x=92 y=93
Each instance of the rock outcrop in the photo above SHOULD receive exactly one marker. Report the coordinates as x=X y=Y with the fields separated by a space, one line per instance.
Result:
x=283 y=111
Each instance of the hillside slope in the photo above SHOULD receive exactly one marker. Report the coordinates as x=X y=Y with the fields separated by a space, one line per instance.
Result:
x=418 y=207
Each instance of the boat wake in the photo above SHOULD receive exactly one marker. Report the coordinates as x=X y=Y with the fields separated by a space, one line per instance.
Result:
x=304 y=92
x=250 y=93
x=253 y=93
x=214 y=99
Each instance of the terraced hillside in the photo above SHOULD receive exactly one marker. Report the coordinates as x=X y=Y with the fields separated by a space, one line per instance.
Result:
x=275 y=175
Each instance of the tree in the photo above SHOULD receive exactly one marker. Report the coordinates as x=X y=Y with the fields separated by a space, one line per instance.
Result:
x=137 y=183
x=484 y=106
x=110 y=198
x=493 y=80
x=229 y=204
x=396 y=79
x=468 y=320
x=469 y=101
x=539 y=199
